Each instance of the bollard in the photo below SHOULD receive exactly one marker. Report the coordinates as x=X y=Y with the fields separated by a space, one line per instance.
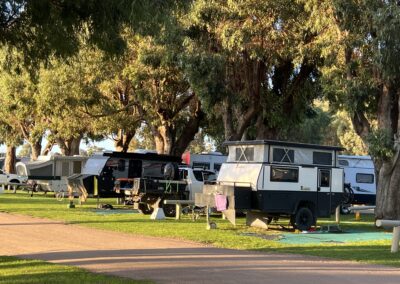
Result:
x=395 y=239
x=396 y=232
x=178 y=210
x=337 y=215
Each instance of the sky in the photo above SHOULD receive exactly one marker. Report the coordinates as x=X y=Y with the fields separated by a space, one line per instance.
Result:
x=107 y=144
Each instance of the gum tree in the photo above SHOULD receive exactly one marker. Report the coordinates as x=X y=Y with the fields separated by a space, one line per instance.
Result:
x=253 y=62
x=364 y=78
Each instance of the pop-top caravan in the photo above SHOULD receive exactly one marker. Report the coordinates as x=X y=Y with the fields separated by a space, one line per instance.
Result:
x=359 y=172
x=50 y=172
x=268 y=179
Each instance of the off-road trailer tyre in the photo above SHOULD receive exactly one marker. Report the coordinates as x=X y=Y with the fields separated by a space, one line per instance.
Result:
x=303 y=220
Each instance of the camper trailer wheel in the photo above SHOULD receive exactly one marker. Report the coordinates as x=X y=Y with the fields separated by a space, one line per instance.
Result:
x=145 y=209
x=344 y=209
x=304 y=219
x=169 y=210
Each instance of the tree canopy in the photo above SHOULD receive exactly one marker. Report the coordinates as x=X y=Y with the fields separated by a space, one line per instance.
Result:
x=166 y=70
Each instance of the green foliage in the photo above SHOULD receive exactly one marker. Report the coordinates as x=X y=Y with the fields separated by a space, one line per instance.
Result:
x=44 y=27
x=19 y=112
x=381 y=144
x=25 y=151
x=254 y=52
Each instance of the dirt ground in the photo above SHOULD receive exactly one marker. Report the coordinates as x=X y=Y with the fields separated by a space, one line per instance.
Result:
x=172 y=261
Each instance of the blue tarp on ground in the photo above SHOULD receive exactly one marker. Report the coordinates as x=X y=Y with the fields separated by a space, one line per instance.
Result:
x=345 y=237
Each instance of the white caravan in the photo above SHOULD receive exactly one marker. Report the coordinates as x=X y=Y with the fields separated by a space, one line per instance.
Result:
x=50 y=172
x=268 y=179
x=359 y=172
x=206 y=161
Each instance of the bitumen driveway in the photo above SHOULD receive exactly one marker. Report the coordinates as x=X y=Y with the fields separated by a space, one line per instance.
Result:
x=172 y=261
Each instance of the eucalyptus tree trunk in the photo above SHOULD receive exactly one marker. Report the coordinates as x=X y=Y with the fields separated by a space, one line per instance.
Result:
x=9 y=163
x=165 y=136
x=69 y=147
x=387 y=168
x=122 y=141
x=190 y=130
x=238 y=117
x=388 y=189
x=36 y=147
x=165 y=139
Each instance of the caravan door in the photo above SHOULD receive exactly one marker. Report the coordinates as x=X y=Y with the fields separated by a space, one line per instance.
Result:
x=324 y=192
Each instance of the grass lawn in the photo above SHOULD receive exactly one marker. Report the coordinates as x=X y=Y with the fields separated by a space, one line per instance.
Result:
x=226 y=236
x=14 y=270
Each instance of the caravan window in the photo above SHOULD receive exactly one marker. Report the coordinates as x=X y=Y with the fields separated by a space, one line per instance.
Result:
x=245 y=154
x=282 y=155
x=364 y=178
x=65 y=169
x=344 y=163
x=77 y=167
x=325 y=178
x=280 y=174
x=198 y=175
x=322 y=158
x=217 y=167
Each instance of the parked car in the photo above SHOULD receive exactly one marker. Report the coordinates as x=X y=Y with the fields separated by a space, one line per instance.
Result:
x=196 y=179
x=11 y=178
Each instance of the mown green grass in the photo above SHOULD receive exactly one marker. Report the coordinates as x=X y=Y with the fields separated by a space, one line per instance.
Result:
x=226 y=236
x=14 y=271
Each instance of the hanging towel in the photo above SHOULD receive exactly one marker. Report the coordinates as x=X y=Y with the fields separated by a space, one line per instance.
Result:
x=220 y=202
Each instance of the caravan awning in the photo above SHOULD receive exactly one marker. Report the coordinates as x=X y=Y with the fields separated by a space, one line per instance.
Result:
x=94 y=165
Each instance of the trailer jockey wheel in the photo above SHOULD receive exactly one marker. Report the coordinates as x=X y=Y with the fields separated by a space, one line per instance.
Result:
x=303 y=220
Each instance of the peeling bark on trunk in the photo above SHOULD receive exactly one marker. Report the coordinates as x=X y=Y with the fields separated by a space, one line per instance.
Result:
x=158 y=140
x=167 y=134
x=9 y=163
x=123 y=140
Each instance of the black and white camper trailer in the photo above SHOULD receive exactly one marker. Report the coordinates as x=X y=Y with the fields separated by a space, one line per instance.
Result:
x=268 y=179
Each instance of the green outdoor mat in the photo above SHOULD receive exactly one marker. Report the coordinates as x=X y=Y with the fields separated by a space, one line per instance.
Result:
x=321 y=237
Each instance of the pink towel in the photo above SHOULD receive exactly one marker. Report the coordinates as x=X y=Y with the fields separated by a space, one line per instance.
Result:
x=220 y=202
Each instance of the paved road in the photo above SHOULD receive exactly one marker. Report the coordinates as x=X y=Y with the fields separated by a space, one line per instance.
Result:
x=172 y=261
